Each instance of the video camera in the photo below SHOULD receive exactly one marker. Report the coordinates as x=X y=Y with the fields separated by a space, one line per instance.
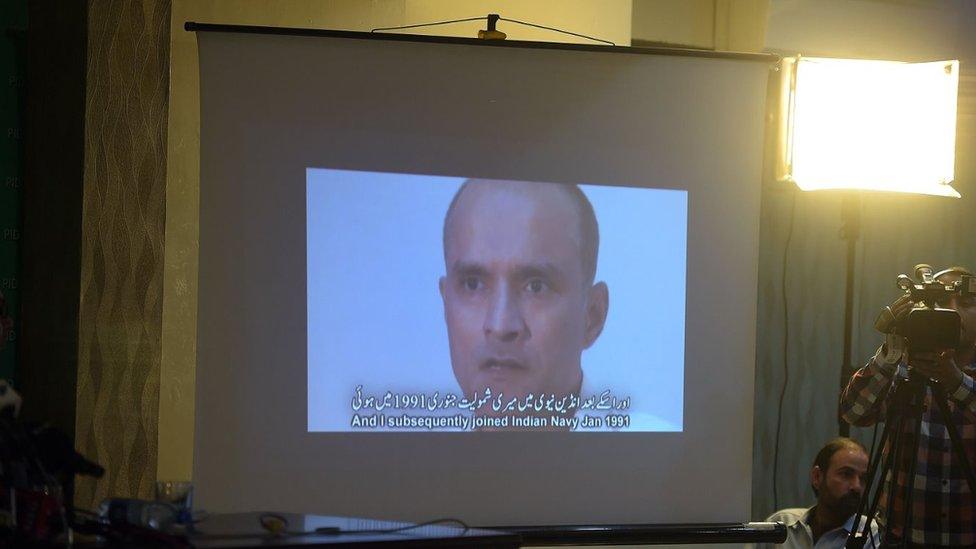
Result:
x=928 y=327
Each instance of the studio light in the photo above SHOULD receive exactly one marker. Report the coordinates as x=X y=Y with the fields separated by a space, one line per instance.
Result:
x=868 y=125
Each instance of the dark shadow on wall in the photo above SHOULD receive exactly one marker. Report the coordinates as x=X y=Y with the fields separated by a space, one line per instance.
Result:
x=52 y=193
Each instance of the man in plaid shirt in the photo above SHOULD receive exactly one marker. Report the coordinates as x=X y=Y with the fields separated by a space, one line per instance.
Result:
x=943 y=507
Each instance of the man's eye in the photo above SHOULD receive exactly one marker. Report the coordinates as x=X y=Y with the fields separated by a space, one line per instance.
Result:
x=536 y=286
x=471 y=283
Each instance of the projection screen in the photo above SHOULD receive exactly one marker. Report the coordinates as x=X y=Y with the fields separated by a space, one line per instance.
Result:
x=513 y=284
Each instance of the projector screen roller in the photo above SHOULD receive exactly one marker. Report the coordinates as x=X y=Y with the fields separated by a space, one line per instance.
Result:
x=511 y=312
x=600 y=257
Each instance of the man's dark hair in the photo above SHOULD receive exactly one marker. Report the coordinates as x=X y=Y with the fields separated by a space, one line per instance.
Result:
x=822 y=461
x=588 y=227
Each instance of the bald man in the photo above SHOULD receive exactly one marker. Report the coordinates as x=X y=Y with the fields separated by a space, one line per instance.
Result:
x=519 y=295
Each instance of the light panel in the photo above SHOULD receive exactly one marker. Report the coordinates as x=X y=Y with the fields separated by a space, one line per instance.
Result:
x=870 y=125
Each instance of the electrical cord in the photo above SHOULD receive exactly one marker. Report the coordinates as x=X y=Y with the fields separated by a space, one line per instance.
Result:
x=434 y=24
x=437 y=522
x=485 y=18
x=277 y=525
x=786 y=347
x=556 y=30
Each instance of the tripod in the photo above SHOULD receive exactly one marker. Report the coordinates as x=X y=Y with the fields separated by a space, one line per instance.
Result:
x=905 y=409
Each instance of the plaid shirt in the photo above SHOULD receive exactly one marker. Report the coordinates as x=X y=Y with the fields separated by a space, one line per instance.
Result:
x=943 y=509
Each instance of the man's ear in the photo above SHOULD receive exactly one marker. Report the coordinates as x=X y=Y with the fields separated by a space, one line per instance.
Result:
x=441 y=286
x=816 y=477
x=597 y=305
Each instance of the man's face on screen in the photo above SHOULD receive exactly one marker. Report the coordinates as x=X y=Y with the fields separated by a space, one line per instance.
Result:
x=515 y=294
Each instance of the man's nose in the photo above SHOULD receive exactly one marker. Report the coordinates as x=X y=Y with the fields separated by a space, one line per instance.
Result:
x=857 y=485
x=504 y=320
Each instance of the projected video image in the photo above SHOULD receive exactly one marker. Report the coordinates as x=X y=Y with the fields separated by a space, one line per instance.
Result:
x=449 y=304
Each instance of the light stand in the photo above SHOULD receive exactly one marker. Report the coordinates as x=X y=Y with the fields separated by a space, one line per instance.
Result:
x=850 y=232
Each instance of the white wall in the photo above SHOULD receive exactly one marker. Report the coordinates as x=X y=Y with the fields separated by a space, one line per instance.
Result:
x=905 y=30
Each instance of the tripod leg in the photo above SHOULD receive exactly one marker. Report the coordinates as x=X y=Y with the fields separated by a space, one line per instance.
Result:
x=910 y=474
x=957 y=447
x=894 y=459
x=859 y=534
